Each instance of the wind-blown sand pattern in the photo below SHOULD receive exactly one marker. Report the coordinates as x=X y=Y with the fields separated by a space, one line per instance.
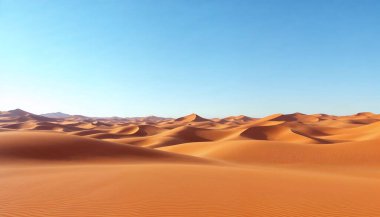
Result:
x=276 y=166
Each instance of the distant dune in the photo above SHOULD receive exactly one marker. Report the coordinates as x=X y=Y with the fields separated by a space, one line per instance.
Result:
x=56 y=115
x=192 y=118
x=284 y=165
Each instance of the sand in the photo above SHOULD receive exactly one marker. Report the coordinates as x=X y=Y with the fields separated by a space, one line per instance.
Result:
x=276 y=166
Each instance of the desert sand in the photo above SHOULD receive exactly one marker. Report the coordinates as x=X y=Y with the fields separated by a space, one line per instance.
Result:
x=280 y=165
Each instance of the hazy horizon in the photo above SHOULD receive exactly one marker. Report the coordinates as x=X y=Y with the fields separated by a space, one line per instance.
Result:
x=172 y=58
x=174 y=117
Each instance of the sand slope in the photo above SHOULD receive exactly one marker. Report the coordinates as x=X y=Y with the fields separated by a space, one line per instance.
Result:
x=50 y=147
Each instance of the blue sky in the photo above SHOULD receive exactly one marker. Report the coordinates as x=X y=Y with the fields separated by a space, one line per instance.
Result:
x=172 y=57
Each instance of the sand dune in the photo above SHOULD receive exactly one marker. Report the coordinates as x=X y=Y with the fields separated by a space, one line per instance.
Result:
x=191 y=118
x=278 y=133
x=299 y=117
x=279 y=165
x=365 y=154
x=22 y=116
x=42 y=147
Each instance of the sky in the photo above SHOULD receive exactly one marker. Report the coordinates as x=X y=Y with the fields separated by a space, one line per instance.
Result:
x=174 y=57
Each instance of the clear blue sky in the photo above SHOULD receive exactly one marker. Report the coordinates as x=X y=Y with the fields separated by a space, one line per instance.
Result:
x=171 y=58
